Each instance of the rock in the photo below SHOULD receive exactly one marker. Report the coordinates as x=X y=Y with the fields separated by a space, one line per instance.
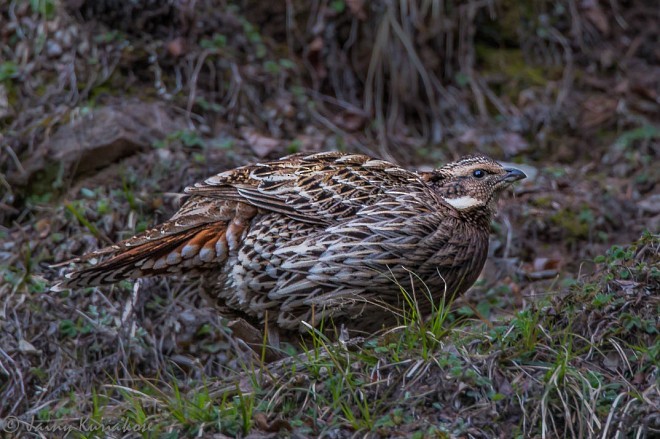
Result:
x=650 y=204
x=101 y=138
x=53 y=49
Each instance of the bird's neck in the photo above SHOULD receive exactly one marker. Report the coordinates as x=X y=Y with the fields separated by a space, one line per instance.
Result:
x=479 y=218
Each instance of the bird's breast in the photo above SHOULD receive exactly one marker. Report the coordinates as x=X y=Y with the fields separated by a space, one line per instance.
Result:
x=455 y=254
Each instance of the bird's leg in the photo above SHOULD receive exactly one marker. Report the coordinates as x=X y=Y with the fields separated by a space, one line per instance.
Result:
x=254 y=338
x=273 y=337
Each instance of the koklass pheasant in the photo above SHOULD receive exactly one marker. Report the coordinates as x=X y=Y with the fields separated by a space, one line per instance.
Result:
x=329 y=236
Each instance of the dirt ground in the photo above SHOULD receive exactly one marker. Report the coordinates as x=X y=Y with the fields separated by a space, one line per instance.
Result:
x=108 y=109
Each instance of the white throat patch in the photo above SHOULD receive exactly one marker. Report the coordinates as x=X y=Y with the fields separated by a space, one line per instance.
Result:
x=462 y=203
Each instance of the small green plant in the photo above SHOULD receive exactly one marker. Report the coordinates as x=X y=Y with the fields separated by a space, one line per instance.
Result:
x=21 y=277
x=645 y=132
x=417 y=329
x=245 y=402
x=224 y=144
x=112 y=36
x=190 y=410
x=71 y=329
x=8 y=70
x=615 y=255
x=209 y=106
x=332 y=364
x=523 y=330
x=76 y=208
x=94 y=424
x=602 y=299
x=187 y=138
x=254 y=36
x=45 y=8
x=294 y=146
x=338 y=6
x=218 y=41
x=576 y=222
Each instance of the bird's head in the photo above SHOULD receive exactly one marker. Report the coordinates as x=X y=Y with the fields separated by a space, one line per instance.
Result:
x=472 y=183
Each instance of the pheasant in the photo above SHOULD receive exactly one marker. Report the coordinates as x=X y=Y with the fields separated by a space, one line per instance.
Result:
x=324 y=237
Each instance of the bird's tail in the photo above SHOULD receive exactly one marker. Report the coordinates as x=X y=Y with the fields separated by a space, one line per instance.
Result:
x=155 y=252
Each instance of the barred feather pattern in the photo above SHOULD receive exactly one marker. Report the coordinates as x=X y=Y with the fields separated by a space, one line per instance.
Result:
x=305 y=238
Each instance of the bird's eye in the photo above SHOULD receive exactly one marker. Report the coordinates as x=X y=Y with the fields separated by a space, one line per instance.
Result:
x=479 y=173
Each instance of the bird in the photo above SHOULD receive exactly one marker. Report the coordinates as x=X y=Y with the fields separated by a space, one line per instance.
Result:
x=310 y=239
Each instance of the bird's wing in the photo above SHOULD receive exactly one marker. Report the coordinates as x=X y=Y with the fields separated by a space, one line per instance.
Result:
x=323 y=188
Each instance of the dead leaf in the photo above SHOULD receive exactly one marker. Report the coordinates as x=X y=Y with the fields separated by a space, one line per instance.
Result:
x=526 y=97
x=469 y=137
x=25 y=347
x=42 y=227
x=596 y=16
x=597 y=110
x=316 y=45
x=612 y=361
x=357 y=9
x=502 y=384
x=284 y=104
x=622 y=86
x=512 y=143
x=315 y=57
x=350 y=120
x=310 y=142
x=261 y=145
x=541 y=264
x=628 y=286
x=176 y=47
x=262 y=423
x=245 y=331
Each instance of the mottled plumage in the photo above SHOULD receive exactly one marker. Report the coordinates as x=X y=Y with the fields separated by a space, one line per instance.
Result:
x=327 y=235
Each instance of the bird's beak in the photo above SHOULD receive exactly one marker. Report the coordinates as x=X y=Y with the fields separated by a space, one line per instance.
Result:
x=513 y=174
